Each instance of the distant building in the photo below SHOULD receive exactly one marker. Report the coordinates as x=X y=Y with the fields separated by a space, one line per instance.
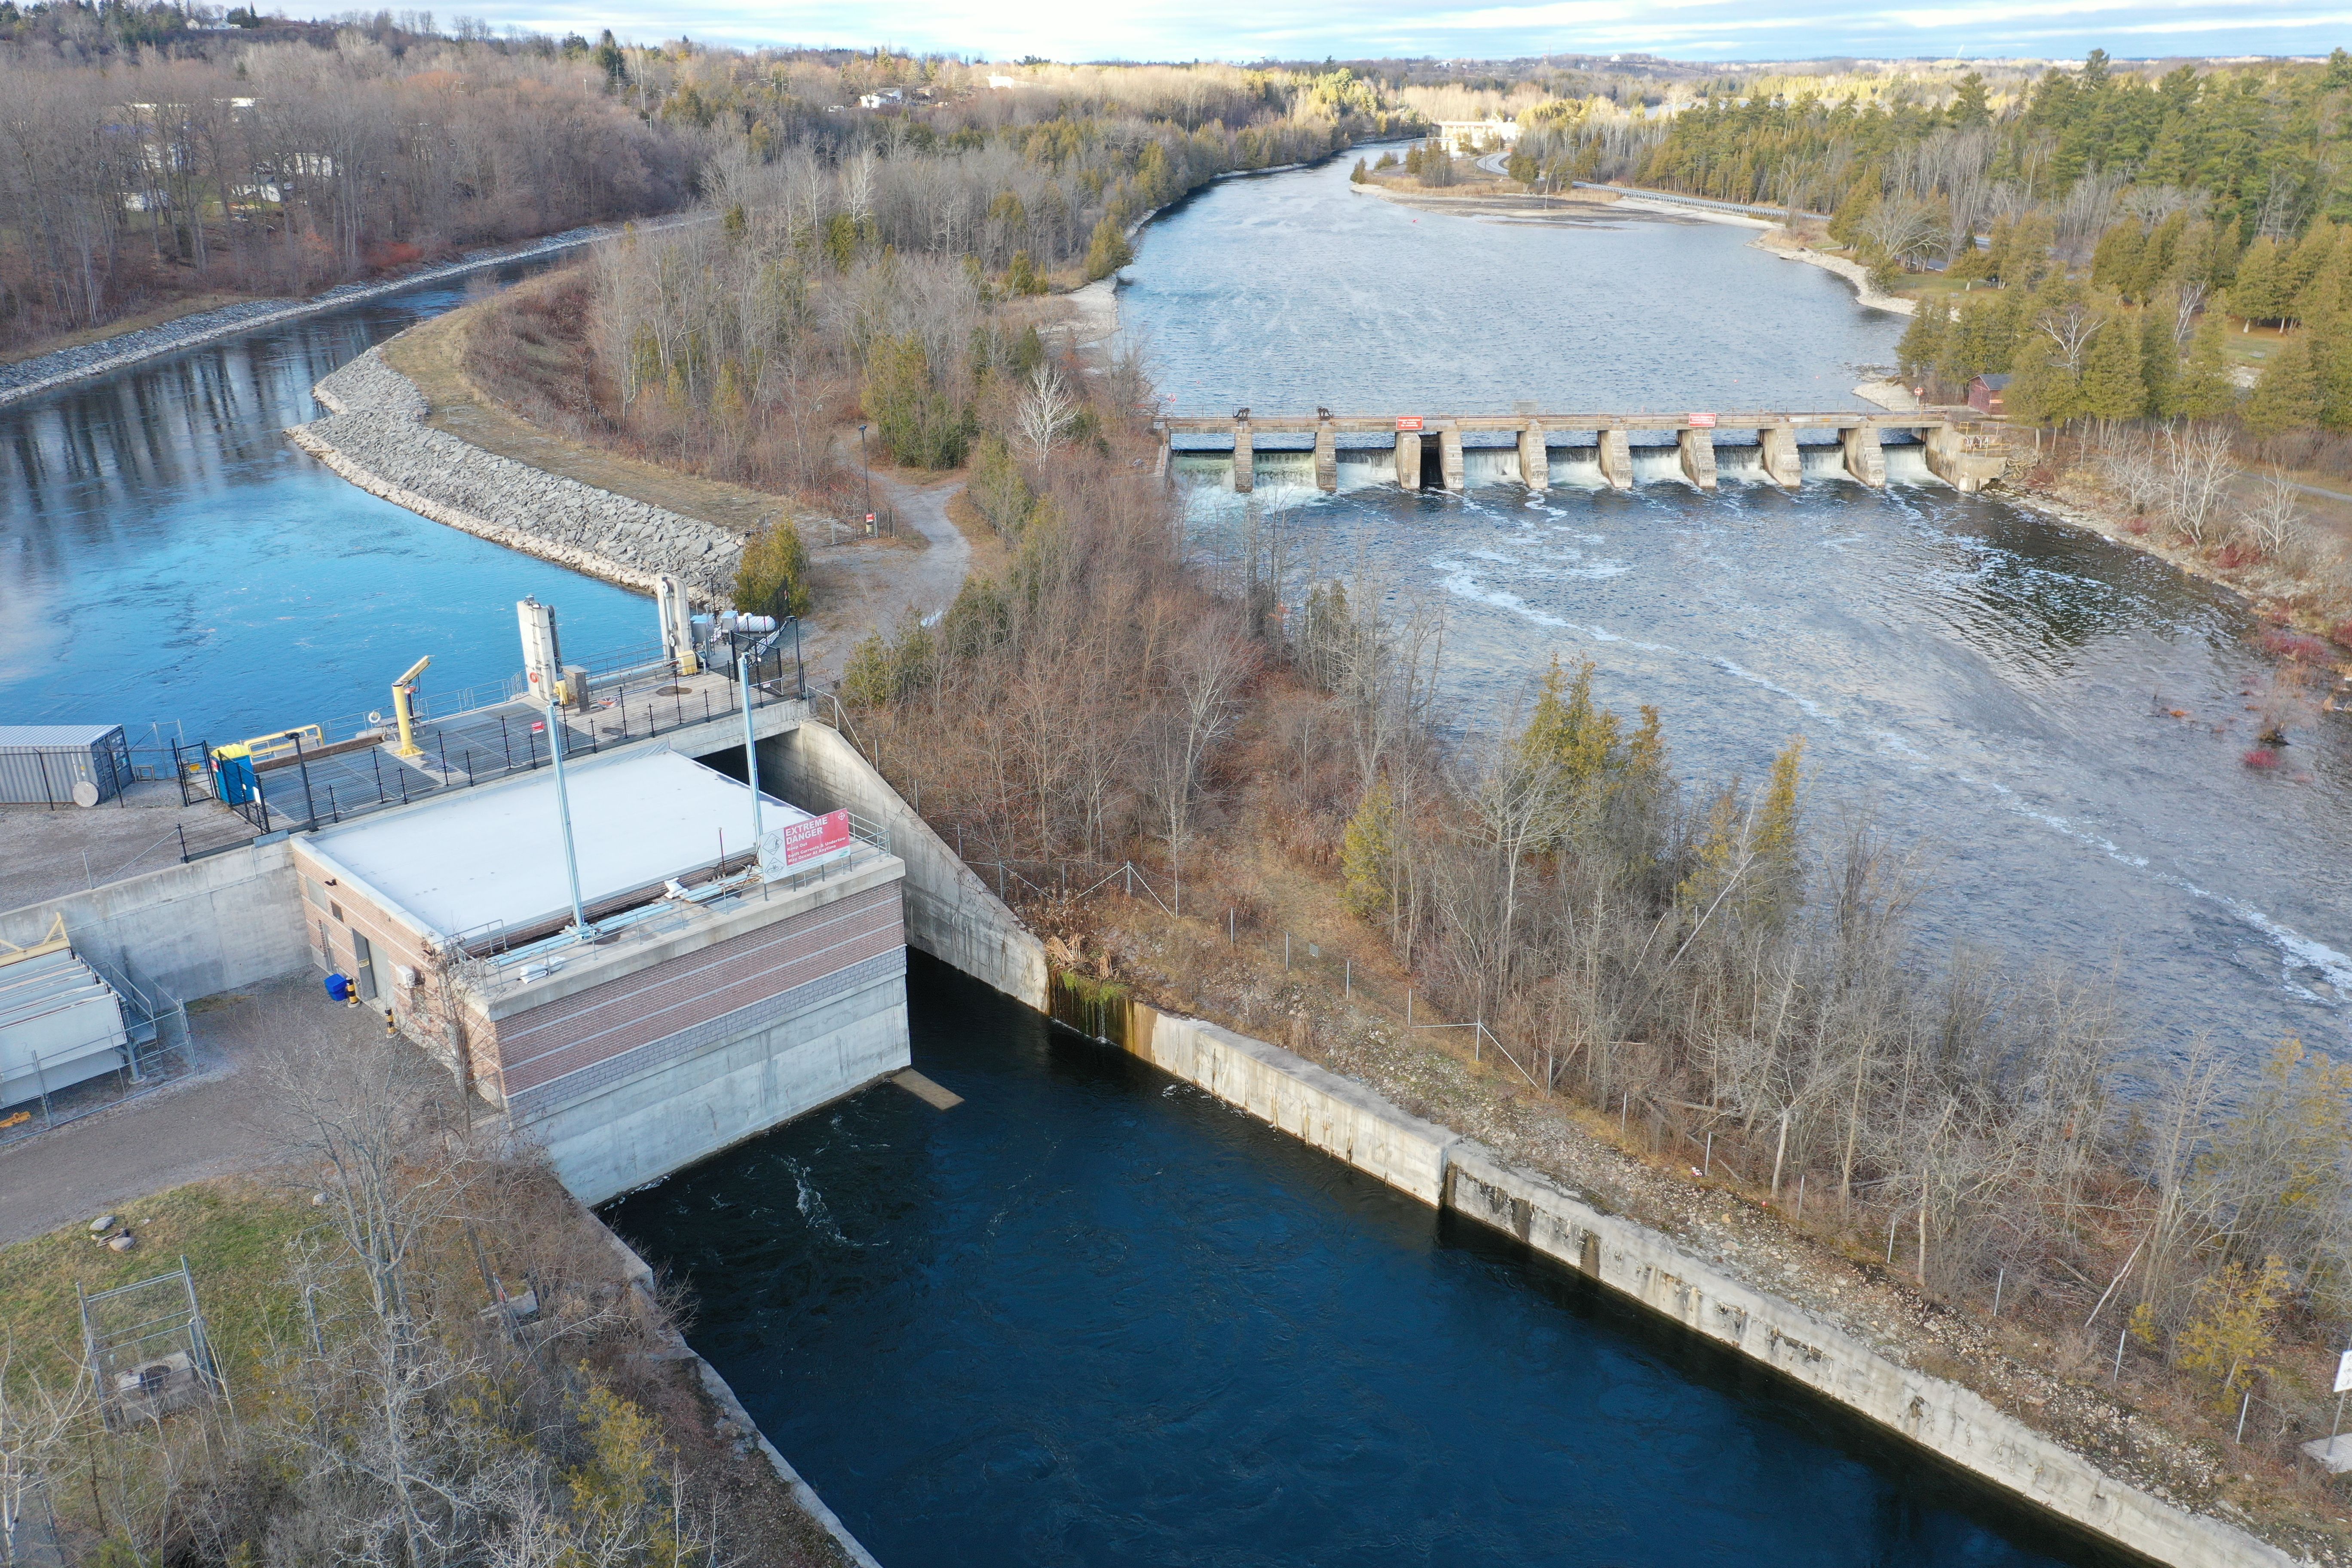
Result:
x=1985 y=392
x=999 y=83
x=889 y=97
x=1468 y=135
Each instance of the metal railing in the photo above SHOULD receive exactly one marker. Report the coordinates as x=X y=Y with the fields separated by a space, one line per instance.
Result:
x=319 y=776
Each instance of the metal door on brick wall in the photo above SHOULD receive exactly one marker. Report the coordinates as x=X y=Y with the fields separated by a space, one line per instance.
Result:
x=363 y=960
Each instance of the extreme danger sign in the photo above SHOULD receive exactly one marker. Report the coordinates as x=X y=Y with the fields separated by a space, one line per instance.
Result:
x=798 y=845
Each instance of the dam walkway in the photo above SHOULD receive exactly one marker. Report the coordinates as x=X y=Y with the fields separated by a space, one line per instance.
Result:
x=1964 y=451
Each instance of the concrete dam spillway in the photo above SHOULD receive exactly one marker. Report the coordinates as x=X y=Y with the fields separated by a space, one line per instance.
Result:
x=1427 y=451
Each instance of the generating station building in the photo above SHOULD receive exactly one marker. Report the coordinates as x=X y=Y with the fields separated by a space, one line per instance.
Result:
x=713 y=997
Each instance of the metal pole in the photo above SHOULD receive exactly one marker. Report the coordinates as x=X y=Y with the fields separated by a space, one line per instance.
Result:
x=563 y=814
x=866 y=464
x=750 y=749
x=310 y=808
x=2002 y=1280
x=2244 y=1405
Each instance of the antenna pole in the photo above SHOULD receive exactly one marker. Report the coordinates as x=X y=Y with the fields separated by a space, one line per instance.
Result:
x=751 y=746
x=563 y=815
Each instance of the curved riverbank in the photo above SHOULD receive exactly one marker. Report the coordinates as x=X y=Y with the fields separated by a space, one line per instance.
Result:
x=44 y=372
x=377 y=438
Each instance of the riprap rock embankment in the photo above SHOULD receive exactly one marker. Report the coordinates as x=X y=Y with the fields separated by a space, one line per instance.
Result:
x=377 y=439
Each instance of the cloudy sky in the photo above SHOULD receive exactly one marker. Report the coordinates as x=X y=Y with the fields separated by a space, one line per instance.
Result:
x=1687 y=29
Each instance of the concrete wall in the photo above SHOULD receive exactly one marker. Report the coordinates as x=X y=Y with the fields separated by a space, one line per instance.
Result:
x=661 y=1121
x=215 y=924
x=1337 y=1115
x=1351 y=1123
x=950 y=912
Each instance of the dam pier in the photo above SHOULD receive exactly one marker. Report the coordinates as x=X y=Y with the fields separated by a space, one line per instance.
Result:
x=1433 y=451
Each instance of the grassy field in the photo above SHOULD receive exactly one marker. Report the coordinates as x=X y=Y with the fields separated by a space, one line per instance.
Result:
x=234 y=1234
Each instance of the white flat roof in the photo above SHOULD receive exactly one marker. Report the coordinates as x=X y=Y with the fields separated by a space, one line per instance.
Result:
x=461 y=861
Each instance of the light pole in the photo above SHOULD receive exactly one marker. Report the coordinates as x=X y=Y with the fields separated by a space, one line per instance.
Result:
x=867 y=465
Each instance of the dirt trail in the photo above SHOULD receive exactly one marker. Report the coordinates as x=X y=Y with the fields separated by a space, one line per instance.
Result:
x=863 y=584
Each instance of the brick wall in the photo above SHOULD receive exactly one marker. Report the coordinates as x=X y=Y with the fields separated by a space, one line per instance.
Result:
x=578 y=1032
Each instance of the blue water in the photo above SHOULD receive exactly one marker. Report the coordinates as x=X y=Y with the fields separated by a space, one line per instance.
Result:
x=1093 y=1316
x=165 y=556
x=2056 y=722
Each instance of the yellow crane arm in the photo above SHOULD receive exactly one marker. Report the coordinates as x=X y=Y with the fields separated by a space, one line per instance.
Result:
x=401 y=690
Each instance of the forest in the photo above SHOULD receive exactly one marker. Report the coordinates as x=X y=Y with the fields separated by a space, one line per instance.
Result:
x=2108 y=227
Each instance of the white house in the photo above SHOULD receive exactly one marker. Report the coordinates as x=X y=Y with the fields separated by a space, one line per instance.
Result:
x=1466 y=135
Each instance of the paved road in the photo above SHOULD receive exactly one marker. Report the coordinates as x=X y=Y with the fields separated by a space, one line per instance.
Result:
x=197 y=1130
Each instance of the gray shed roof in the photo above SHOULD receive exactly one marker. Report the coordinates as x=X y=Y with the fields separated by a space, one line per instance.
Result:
x=78 y=737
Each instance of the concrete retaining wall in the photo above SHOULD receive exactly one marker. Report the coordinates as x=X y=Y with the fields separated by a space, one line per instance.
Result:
x=1337 y=1115
x=731 y=1412
x=377 y=439
x=682 y=1112
x=1442 y=1168
x=950 y=912
x=226 y=920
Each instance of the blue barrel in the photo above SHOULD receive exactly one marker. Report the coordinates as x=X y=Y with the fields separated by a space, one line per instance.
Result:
x=338 y=988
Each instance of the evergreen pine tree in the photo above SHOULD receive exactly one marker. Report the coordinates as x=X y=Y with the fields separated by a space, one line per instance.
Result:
x=2303 y=263
x=2112 y=387
x=2159 y=258
x=2039 y=390
x=2288 y=397
x=1922 y=349
x=1108 y=250
x=2205 y=390
x=2115 y=263
x=2221 y=258
x=1996 y=255
x=2254 y=294
x=2331 y=358
x=2159 y=356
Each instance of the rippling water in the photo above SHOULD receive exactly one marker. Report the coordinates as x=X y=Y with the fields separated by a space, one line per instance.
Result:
x=166 y=556
x=1996 y=685
x=1092 y=1316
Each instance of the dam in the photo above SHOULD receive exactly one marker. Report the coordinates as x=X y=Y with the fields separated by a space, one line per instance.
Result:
x=1428 y=451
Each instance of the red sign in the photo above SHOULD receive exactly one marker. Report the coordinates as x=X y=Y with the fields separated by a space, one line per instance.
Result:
x=1408 y=421
x=537 y=725
x=1701 y=421
x=816 y=837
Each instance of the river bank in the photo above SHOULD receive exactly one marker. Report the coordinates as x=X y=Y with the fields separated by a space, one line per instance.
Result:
x=1418 y=1068
x=377 y=438
x=43 y=372
x=2311 y=594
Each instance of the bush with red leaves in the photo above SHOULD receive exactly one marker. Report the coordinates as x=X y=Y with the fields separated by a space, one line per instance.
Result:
x=2280 y=643
x=2261 y=757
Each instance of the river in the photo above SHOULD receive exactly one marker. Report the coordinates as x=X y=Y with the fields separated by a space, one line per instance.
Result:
x=167 y=558
x=1997 y=688
x=1093 y=1316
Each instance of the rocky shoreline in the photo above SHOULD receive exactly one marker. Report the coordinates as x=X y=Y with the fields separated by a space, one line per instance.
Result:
x=377 y=438
x=30 y=377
